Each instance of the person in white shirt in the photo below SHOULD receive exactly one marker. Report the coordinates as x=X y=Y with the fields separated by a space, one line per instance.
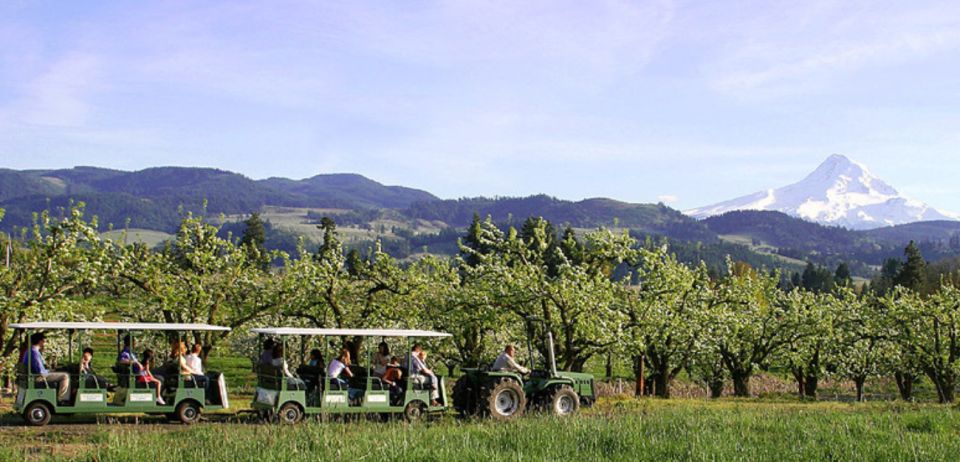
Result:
x=194 y=364
x=506 y=363
x=341 y=365
x=193 y=359
x=279 y=362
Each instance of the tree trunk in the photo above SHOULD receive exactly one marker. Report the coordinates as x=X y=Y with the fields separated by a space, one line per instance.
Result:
x=944 y=383
x=858 y=381
x=810 y=387
x=716 y=387
x=609 y=371
x=638 y=373
x=905 y=385
x=662 y=384
x=798 y=377
x=741 y=383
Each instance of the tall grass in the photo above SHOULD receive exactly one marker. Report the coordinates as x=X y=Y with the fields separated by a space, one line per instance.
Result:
x=626 y=430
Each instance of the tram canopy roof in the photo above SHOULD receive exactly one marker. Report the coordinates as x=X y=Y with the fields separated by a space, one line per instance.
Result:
x=348 y=332
x=119 y=326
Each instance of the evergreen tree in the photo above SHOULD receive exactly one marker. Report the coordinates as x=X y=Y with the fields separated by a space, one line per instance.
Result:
x=795 y=280
x=253 y=239
x=842 y=277
x=354 y=263
x=331 y=248
x=913 y=273
x=817 y=279
x=887 y=278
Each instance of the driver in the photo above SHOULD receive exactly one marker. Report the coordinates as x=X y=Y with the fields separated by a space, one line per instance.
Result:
x=506 y=363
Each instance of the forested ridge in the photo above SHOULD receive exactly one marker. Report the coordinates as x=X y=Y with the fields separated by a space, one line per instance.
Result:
x=157 y=198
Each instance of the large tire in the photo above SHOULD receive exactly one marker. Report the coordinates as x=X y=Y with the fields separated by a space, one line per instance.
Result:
x=415 y=411
x=503 y=399
x=563 y=401
x=463 y=399
x=37 y=414
x=290 y=413
x=188 y=412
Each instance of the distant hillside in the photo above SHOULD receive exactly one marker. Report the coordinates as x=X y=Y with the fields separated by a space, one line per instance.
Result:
x=150 y=198
x=590 y=213
x=348 y=191
x=803 y=240
x=919 y=231
x=409 y=221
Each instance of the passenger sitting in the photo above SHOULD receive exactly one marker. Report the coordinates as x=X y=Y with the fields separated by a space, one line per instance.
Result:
x=381 y=359
x=193 y=359
x=316 y=358
x=92 y=380
x=393 y=375
x=280 y=363
x=188 y=372
x=126 y=356
x=144 y=376
x=340 y=365
x=266 y=357
x=34 y=360
x=422 y=375
x=311 y=370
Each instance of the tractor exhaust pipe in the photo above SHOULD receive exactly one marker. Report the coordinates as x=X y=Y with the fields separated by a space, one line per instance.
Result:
x=551 y=357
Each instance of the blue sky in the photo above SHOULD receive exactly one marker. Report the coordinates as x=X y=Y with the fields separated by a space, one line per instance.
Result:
x=689 y=102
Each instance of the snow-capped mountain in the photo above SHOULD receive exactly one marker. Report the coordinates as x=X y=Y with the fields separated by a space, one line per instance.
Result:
x=839 y=192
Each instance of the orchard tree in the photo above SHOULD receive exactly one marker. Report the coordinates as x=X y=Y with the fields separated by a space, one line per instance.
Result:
x=579 y=303
x=56 y=258
x=864 y=341
x=928 y=331
x=665 y=314
x=755 y=320
x=815 y=330
x=202 y=278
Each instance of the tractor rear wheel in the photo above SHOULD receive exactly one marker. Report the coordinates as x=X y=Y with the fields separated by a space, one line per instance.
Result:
x=463 y=399
x=503 y=399
x=563 y=401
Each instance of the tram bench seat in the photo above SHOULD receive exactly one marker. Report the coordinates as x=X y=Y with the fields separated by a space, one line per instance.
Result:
x=272 y=378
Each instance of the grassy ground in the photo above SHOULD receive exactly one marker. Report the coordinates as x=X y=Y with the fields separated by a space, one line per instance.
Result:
x=147 y=236
x=613 y=430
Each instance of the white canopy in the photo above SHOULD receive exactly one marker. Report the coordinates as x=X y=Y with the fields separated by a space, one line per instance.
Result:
x=124 y=326
x=348 y=332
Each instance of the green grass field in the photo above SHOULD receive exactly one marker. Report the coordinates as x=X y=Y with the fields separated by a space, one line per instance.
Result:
x=147 y=236
x=616 y=429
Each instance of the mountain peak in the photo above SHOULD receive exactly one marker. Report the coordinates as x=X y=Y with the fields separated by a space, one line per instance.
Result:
x=840 y=191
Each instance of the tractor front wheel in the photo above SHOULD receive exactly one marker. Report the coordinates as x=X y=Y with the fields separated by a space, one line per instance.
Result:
x=564 y=401
x=504 y=399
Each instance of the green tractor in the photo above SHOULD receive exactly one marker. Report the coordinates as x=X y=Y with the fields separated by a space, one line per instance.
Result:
x=503 y=395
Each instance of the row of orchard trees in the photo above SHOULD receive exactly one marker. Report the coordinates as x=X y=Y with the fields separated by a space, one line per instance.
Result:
x=601 y=294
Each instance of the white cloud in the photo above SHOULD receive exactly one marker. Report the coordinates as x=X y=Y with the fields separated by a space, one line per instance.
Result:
x=817 y=43
x=667 y=198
